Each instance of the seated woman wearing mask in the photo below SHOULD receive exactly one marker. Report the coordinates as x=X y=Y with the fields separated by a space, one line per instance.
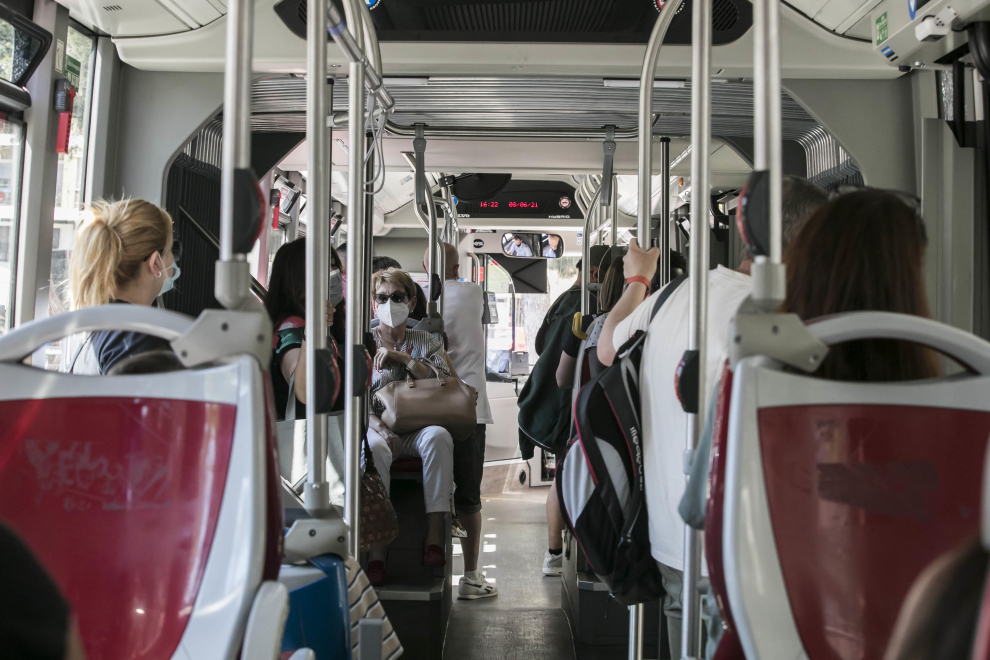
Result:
x=286 y=305
x=401 y=350
x=124 y=253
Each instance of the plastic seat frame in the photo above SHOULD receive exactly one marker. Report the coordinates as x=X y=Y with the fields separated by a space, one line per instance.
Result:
x=756 y=545
x=231 y=602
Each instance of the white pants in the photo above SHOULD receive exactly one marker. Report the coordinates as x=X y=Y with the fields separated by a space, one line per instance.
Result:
x=434 y=445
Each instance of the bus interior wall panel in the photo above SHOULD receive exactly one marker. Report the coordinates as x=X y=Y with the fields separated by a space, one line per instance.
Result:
x=870 y=119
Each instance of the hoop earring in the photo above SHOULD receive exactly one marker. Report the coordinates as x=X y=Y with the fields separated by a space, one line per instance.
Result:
x=159 y=274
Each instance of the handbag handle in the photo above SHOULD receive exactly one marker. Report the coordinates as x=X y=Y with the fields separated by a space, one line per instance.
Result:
x=411 y=382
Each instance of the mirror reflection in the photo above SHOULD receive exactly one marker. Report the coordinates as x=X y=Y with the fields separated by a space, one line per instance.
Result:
x=548 y=246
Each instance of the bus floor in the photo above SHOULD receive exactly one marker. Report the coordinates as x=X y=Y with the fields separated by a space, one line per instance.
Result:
x=525 y=621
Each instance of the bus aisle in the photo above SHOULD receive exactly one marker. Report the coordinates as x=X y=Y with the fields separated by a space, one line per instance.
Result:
x=526 y=620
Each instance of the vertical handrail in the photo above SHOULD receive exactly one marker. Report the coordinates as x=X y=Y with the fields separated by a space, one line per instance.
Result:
x=643 y=212
x=354 y=387
x=317 y=492
x=768 y=274
x=586 y=251
x=232 y=271
x=664 y=210
x=701 y=91
x=645 y=136
x=614 y=204
x=435 y=254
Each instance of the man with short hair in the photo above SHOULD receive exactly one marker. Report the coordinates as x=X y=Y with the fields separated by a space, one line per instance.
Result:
x=463 y=309
x=519 y=248
x=664 y=420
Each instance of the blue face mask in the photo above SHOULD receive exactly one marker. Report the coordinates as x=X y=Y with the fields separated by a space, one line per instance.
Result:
x=169 y=281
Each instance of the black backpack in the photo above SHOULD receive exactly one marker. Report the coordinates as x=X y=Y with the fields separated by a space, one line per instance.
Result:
x=600 y=483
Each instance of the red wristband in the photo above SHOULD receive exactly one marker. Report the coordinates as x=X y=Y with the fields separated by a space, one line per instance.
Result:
x=642 y=280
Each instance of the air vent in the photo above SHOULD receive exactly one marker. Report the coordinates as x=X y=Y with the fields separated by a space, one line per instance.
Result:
x=541 y=16
x=724 y=15
x=542 y=21
x=112 y=7
x=302 y=13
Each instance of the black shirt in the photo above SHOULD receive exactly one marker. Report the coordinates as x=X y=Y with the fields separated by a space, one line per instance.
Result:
x=34 y=618
x=112 y=346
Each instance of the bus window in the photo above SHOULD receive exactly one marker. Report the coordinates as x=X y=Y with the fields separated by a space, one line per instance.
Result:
x=521 y=314
x=71 y=178
x=11 y=159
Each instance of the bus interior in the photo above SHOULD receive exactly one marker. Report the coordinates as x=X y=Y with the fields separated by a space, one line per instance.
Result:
x=537 y=129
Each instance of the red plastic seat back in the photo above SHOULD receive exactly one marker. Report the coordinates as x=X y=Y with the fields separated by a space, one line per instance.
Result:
x=715 y=511
x=118 y=497
x=862 y=498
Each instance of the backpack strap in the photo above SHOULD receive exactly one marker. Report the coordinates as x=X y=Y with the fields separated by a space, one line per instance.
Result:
x=623 y=397
x=666 y=293
x=596 y=461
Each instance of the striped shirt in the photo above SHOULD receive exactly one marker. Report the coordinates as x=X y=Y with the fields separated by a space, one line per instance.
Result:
x=364 y=604
x=418 y=343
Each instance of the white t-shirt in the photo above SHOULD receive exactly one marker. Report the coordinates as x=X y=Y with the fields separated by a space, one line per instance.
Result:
x=463 y=308
x=664 y=421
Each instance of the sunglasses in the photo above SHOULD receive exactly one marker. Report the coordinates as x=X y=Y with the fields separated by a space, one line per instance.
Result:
x=176 y=250
x=397 y=297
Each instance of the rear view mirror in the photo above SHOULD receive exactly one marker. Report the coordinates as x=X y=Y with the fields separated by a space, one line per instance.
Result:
x=547 y=246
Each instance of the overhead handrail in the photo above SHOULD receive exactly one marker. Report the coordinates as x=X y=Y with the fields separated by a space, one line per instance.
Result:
x=644 y=133
x=487 y=133
x=351 y=41
x=701 y=124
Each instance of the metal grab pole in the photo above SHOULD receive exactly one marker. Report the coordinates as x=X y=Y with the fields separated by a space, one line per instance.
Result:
x=665 y=210
x=317 y=493
x=636 y=632
x=232 y=271
x=701 y=89
x=645 y=207
x=586 y=251
x=357 y=290
x=768 y=282
x=645 y=133
x=434 y=265
x=614 y=203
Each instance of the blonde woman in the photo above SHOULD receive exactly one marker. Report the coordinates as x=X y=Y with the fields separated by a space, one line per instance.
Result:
x=124 y=253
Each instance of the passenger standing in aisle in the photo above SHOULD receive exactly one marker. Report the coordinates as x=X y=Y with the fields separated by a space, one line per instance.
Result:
x=463 y=310
x=544 y=408
x=664 y=420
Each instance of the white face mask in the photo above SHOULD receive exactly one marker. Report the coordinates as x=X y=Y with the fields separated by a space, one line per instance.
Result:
x=169 y=281
x=393 y=314
x=336 y=287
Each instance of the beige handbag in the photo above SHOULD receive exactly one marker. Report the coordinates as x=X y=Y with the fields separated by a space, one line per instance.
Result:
x=411 y=405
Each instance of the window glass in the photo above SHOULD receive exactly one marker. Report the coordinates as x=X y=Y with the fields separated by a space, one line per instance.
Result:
x=70 y=181
x=17 y=51
x=11 y=161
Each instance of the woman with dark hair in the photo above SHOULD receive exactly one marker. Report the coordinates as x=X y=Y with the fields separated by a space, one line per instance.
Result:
x=611 y=291
x=863 y=251
x=286 y=305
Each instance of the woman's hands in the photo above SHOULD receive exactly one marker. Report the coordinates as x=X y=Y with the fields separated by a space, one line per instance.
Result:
x=330 y=312
x=386 y=434
x=384 y=355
